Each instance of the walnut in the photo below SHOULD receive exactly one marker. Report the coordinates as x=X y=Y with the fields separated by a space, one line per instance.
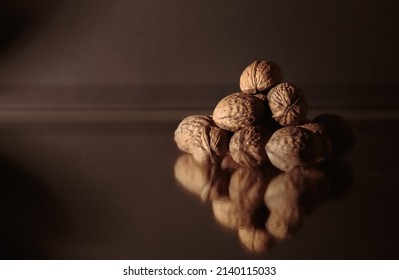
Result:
x=260 y=76
x=322 y=132
x=218 y=141
x=237 y=111
x=247 y=146
x=254 y=239
x=291 y=147
x=287 y=104
x=342 y=136
x=208 y=181
x=199 y=136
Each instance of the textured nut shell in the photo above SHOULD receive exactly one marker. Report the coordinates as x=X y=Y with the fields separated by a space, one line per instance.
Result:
x=237 y=111
x=255 y=240
x=287 y=104
x=247 y=146
x=260 y=76
x=219 y=141
x=322 y=132
x=199 y=136
x=207 y=181
x=291 y=147
x=189 y=129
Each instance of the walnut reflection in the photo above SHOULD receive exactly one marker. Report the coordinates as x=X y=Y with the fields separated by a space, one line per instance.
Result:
x=290 y=196
x=264 y=205
x=244 y=206
x=293 y=195
x=208 y=181
x=244 y=209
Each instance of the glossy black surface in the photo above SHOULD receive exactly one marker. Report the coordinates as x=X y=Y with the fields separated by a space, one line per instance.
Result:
x=89 y=184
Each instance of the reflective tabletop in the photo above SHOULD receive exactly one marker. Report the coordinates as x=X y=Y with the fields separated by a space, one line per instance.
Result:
x=95 y=174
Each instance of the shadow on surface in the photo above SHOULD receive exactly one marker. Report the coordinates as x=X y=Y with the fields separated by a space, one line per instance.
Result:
x=30 y=214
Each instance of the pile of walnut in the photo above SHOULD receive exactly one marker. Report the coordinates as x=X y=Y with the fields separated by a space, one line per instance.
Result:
x=265 y=122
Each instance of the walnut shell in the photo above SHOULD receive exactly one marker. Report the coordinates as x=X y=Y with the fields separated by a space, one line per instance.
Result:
x=188 y=127
x=322 y=132
x=219 y=140
x=291 y=147
x=287 y=104
x=199 y=136
x=237 y=111
x=247 y=146
x=208 y=181
x=260 y=76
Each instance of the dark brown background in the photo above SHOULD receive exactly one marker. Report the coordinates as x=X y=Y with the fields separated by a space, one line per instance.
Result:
x=196 y=42
x=91 y=92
